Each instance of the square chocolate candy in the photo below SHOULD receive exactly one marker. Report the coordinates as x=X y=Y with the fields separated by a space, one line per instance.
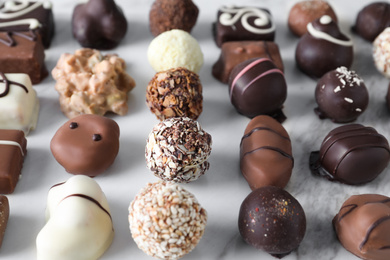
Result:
x=12 y=151
x=4 y=215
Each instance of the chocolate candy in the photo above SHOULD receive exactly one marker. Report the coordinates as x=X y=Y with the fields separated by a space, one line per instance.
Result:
x=23 y=52
x=363 y=226
x=341 y=95
x=23 y=16
x=99 y=24
x=166 y=15
x=351 y=154
x=266 y=154
x=12 y=151
x=87 y=144
x=323 y=48
x=258 y=87
x=381 y=52
x=372 y=20
x=4 y=215
x=233 y=53
x=246 y=23
x=272 y=220
x=304 y=12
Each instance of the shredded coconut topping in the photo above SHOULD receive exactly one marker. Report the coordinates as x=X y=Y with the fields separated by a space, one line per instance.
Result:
x=348 y=77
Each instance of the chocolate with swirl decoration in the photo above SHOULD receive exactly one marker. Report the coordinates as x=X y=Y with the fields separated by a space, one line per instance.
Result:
x=243 y=24
x=27 y=15
x=363 y=226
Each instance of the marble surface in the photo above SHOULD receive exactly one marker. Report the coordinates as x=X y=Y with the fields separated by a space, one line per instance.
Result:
x=222 y=189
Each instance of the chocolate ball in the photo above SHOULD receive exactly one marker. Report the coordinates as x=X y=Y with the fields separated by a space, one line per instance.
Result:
x=381 y=52
x=351 y=154
x=258 y=87
x=265 y=153
x=175 y=93
x=166 y=15
x=372 y=20
x=323 y=48
x=341 y=96
x=363 y=226
x=271 y=219
x=305 y=12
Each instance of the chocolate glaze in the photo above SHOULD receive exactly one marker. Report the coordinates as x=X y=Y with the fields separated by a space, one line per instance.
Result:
x=351 y=154
x=99 y=24
x=8 y=84
x=258 y=87
x=363 y=226
x=372 y=20
x=272 y=220
x=315 y=55
x=266 y=154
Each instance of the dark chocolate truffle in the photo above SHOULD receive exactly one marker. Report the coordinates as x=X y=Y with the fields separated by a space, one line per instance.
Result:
x=341 y=95
x=363 y=226
x=99 y=24
x=166 y=15
x=323 y=48
x=266 y=154
x=258 y=87
x=243 y=24
x=351 y=154
x=272 y=220
x=305 y=12
x=372 y=20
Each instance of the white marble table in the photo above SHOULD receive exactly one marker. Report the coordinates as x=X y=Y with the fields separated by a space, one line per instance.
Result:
x=222 y=189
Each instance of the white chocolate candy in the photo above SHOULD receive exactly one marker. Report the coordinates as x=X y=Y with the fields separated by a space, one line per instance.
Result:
x=19 y=104
x=79 y=224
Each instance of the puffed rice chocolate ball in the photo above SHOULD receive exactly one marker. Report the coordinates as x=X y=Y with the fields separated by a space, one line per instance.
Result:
x=175 y=93
x=381 y=52
x=177 y=150
x=166 y=221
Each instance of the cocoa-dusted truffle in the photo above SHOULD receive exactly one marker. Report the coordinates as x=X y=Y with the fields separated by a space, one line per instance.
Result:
x=166 y=15
x=177 y=150
x=323 y=48
x=341 y=95
x=166 y=221
x=258 y=87
x=363 y=226
x=175 y=93
x=304 y=12
x=266 y=154
x=351 y=154
x=381 y=52
x=372 y=20
x=271 y=219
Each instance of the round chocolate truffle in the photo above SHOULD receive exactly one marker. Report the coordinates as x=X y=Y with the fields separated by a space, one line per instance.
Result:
x=266 y=154
x=271 y=219
x=175 y=93
x=177 y=150
x=258 y=87
x=341 y=95
x=381 y=52
x=351 y=154
x=363 y=226
x=305 y=12
x=166 y=221
x=323 y=48
x=87 y=144
x=372 y=20
x=166 y=15
x=99 y=24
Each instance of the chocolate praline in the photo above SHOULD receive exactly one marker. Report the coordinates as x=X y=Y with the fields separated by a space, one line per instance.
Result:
x=341 y=96
x=323 y=48
x=351 y=154
x=363 y=226
x=271 y=219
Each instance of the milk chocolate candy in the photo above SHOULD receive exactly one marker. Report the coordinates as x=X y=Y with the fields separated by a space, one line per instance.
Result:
x=363 y=226
x=12 y=152
x=243 y=23
x=266 y=154
x=351 y=154
x=4 y=215
x=233 y=53
x=23 y=16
